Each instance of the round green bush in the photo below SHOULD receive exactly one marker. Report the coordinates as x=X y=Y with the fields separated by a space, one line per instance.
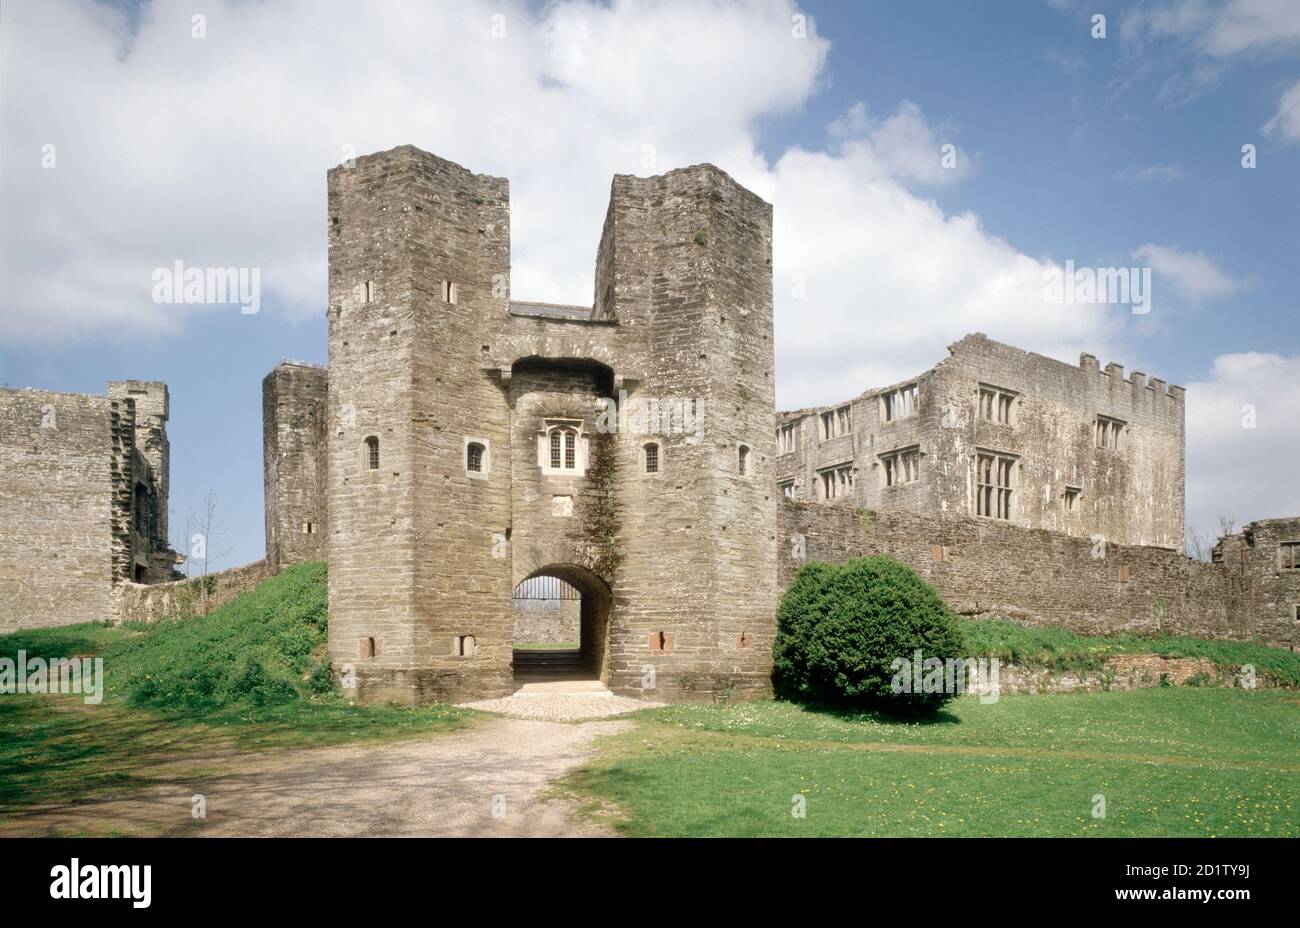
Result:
x=842 y=630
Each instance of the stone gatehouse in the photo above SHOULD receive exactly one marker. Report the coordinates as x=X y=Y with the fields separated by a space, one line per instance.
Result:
x=462 y=446
x=471 y=441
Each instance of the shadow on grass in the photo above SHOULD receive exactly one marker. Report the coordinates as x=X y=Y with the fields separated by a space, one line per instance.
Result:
x=878 y=715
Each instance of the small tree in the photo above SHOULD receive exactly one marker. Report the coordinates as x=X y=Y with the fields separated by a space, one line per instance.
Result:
x=842 y=629
x=1200 y=545
x=202 y=529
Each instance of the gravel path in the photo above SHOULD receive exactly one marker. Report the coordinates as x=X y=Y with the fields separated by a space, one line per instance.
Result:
x=562 y=701
x=487 y=780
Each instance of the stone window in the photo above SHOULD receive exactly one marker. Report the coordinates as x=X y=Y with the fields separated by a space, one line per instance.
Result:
x=309 y=528
x=900 y=467
x=787 y=438
x=836 y=481
x=478 y=459
x=450 y=292
x=141 y=509
x=368 y=291
x=787 y=489
x=1071 y=498
x=997 y=405
x=996 y=476
x=1290 y=555
x=368 y=647
x=898 y=404
x=742 y=461
x=562 y=448
x=1110 y=433
x=463 y=646
x=372 y=453
x=652 y=458
x=837 y=422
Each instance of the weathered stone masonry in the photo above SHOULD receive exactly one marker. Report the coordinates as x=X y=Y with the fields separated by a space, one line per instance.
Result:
x=83 y=501
x=1088 y=451
x=984 y=567
x=432 y=365
x=464 y=451
x=293 y=443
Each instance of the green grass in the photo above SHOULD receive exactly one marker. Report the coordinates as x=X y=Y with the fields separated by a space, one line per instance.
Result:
x=1059 y=649
x=249 y=676
x=1187 y=762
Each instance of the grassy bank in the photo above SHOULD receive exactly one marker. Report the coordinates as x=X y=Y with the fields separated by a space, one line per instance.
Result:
x=1059 y=649
x=250 y=676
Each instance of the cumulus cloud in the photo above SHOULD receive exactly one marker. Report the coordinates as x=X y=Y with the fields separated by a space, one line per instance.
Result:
x=1192 y=274
x=213 y=150
x=1242 y=442
x=873 y=282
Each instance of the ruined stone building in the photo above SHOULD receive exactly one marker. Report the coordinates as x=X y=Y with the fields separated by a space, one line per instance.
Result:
x=463 y=449
x=462 y=444
x=997 y=432
x=83 y=500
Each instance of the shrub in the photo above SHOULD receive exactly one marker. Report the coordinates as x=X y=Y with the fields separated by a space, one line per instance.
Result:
x=840 y=629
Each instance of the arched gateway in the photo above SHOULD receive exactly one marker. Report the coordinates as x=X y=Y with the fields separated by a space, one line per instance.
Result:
x=561 y=615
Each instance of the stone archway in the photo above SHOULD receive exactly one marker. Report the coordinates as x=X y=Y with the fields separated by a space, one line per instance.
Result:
x=590 y=659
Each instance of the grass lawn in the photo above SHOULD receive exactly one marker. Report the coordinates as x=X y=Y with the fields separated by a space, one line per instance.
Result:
x=1184 y=761
x=248 y=677
x=1059 y=649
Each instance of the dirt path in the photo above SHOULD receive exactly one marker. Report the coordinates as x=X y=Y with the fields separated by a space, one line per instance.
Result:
x=488 y=780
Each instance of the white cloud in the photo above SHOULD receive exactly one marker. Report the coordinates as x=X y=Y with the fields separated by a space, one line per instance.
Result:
x=1239 y=472
x=1217 y=32
x=214 y=150
x=891 y=280
x=903 y=145
x=1287 y=119
x=1217 y=29
x=1192 y=274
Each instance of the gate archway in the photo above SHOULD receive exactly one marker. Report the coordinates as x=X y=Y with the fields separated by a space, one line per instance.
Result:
x=561 y=616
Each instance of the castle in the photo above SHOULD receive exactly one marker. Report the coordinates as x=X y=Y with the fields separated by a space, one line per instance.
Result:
x=83 y=500
x=460 y=445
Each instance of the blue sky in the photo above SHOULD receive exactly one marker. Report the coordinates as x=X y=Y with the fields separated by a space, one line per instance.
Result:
x=1117 y=151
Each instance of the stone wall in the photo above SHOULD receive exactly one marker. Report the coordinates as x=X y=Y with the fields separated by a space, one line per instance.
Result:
x=55 y=519
x=293 y=450
x=547 y=621
x=427 y=356
x=1131 y=495
x=983 y=567
x=184 y=599
x=1266 y=579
